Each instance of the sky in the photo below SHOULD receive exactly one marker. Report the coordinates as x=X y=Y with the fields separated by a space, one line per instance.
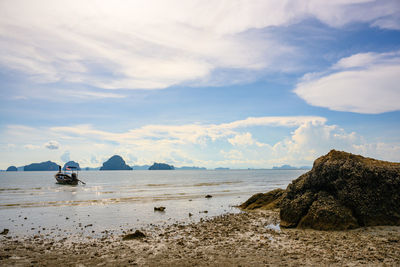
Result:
x=236 y=83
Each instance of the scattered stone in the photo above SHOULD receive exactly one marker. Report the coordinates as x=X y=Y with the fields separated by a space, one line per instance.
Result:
x=136 y=235
x=5 y=231
x=159 y=208
x=208 y=196
x=190 y=215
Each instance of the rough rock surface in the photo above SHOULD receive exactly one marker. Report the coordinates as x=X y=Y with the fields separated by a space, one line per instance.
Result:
x=267 y=201
x=136 y=235
x=115 y=163
x=343 y=191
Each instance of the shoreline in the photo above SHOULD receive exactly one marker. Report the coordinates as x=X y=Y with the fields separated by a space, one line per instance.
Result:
x=245 y=239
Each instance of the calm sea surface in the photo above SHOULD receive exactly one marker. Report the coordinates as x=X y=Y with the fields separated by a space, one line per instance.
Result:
x=31 y=203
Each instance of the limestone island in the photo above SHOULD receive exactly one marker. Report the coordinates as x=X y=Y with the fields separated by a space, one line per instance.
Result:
x=72 y=164
x=12 y=169
x=161 y=166
x=115 y=163
x=43 y=166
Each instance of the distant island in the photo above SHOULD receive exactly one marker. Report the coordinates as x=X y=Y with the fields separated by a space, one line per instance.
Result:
x=72 y=164
x=90 y=169
x=140 y=167
x=12 y=169
x=288 y=167
x=115 y=163
x=185 y=168
x=43 y=166
x=161 y=166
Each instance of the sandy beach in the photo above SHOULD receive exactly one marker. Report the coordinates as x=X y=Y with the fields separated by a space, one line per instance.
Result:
x=245 y=239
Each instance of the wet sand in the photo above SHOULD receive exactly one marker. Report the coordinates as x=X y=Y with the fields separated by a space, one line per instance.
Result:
x=245 y=239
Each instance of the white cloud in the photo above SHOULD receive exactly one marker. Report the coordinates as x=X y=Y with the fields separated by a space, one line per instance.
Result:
x=189 y=133
x=156 y=44
x=231 y=144
x=232 y=154
x=52 y=145
x=65 y=157
x=241 y=139
x=362 y=83
x=31 y=147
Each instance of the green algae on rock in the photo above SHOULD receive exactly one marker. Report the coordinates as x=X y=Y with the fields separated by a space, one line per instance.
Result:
x=342 y=191
x=266 y=201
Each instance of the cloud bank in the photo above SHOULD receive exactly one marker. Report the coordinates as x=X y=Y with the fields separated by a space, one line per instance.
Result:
x=362 y=83
x=237 y=144
x=157 y=44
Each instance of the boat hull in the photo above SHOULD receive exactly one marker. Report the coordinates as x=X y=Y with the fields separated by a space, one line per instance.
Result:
x=65 y=179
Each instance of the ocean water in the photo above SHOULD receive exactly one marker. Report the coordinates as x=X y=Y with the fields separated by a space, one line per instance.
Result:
x=31 y=203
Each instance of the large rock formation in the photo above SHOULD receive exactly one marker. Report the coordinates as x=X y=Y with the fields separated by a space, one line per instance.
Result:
x=43 y=166
x=115 y=163
x=161 y=166
x=12 y=169
x=72 y=164
x=342 y=191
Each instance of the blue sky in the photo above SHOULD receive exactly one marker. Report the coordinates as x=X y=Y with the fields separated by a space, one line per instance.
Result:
x=221 y=83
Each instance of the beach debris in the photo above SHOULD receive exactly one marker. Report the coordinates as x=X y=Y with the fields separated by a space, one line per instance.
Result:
x=159 y=208
x=190 y=215
x=136 y=235
x=208 y=196
x=5 y=231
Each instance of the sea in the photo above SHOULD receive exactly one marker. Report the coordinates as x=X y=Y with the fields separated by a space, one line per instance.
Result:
x=115 y=202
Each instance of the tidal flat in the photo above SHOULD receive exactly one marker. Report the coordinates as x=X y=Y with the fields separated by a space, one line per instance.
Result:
x=242 y=239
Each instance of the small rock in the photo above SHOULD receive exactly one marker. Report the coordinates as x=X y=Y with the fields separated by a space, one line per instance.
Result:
x=190 y=215
x=159 y=208
x=136 y=235
x=5 y=231
x=208 y=196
